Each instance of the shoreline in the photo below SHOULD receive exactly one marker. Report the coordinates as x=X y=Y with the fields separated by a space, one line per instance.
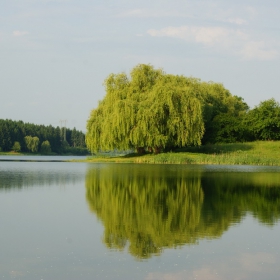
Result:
x=260 y=153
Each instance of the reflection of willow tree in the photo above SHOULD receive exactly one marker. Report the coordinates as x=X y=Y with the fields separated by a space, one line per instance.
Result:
x=154 y=207
x=151 y=206
x=235 y=194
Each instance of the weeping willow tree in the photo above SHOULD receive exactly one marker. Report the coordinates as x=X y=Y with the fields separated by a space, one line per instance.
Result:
x=148 y=110
x=153 y=110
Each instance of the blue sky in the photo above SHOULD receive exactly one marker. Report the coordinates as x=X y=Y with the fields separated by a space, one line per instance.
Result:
x=55 y=54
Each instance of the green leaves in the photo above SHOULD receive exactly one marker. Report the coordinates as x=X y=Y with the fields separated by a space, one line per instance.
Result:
x=16 y=147
x=264 y=120
x=46 y=147
x=154 y=110
x=32 y=143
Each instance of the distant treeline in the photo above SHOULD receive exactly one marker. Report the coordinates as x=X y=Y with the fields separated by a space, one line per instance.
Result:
x=27 y=137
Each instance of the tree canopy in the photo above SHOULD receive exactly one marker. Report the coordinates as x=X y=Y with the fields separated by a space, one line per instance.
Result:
x=46 y=147
x=264 y=120
x=32 y=143
x=28 y=137
x=154 y=110
x=260 y=123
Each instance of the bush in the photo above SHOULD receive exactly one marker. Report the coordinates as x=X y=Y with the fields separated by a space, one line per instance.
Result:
x=16 y=147
x=46 y=148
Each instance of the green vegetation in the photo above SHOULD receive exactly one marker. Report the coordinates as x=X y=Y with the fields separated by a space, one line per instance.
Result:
x=154 y=111
x=17 y=136
x=32 y=143
x=251 y=153
x=161 y=207
x=46 y=148
x=16 y=147
x=264 y=121
x=260 y=123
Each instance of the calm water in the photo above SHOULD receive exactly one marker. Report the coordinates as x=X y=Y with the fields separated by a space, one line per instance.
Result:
x=118 y=221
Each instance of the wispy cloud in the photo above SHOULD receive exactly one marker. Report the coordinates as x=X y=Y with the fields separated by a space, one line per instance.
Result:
x=18 y=33
x=253 y=262
x=238 y=21
x=243 y=266
x=203 y=273
x=237 y=14
x=258 y=49
x=205 y=35
x=234 y=41
x=150 y=13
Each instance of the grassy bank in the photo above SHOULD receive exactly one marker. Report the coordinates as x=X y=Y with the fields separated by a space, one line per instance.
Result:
x=252 y=153
x=11 y=153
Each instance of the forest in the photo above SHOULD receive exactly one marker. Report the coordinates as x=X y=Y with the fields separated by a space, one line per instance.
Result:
x=18 y=136
x=154 y=111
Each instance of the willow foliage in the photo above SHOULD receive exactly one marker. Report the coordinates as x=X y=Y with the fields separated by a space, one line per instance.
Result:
x=145 y=207
x=150 y=208
x=155 y=110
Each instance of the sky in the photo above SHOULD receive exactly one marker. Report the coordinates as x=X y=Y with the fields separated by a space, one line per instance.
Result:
x=55 y=54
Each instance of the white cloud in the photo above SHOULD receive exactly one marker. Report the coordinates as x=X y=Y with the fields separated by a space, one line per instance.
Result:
x=254 y=262
x=238 y=21
x=234 y=41
x=202 y=273
x=205 y=35
x=18 y=33
x=243 y=266
x=258 y=49
x=208 y=11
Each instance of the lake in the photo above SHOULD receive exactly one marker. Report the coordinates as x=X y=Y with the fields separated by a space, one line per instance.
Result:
x=70 y=220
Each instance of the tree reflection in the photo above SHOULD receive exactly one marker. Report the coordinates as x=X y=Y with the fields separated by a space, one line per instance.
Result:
x=235 y=194
x=149 y=208
x=26 y=178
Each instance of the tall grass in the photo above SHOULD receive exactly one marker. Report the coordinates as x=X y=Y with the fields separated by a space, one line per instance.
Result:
x=253 y=153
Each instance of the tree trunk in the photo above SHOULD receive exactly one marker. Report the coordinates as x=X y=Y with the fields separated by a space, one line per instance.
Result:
x=140 y=150
x=157 y=150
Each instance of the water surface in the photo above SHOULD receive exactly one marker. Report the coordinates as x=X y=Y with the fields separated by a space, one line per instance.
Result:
x=64 y=220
